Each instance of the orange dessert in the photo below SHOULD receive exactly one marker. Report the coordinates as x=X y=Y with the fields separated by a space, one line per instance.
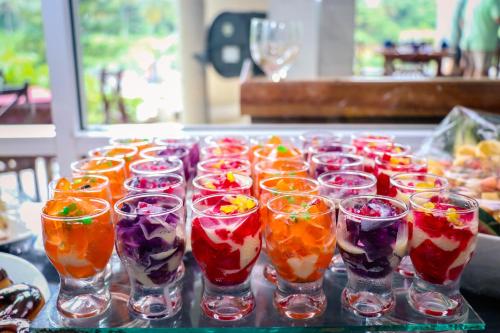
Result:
x=126 y=153
x=278 y=168
x=139 y=143
x=275 y=152
x=89 y=186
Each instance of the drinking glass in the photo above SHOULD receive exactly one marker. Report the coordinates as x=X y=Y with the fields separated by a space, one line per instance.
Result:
x=226 y=242
x=380 y=149
x=168 y=152
x=169 y=183
x=127 y=153
x=215 y=140
x=260 y=141
x=274 y=152
x=361 y=140
x=221 y=183
x=318 y=138
x=225 y=150
x=443 y=236
x=158 y=166
x=274 y=46
x=300 y=240
x=339 y=185
x=78 y=237
x=90 y=186
x=223 y=165
x=326 y=162
x=328 y=147
x=278 y=168
x=372 y=238
x=110 y=167
x=272 y=187
x=139 y=143
x=150 y=241
x=402 y=186
x=386 y=166
x=190 y=142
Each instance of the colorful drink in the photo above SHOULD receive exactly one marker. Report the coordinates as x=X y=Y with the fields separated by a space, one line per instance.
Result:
x=327 y=162
x=150 y=241
x=223 y=183
x=110 y=167
x=226 y=242
x=224 y=165
x=78 y=238
x=300 y=239
x=387 y=165
x=372 y=238
x=442 y=239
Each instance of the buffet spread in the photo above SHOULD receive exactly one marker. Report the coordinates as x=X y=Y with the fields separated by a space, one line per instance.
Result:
x=264 y=232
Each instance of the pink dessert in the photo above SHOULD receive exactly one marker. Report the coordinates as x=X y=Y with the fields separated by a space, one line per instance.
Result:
x=224 y=165
x=221 y=183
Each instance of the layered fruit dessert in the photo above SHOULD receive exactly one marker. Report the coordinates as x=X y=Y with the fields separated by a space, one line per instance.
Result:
x=127 y=153
x=442 y=236
x=374 y=150
x=168 y=184
x=328 y=147
x=278 y=168
x=281 y=151
x=90 y=186
x=226 y=237
x=139 y=143
x=150 y=238
x=266 y=141
x=224 y=165
x=157 y=166
x=168 y=152
x=271 y=187
x=227 y=150
x=372 y=235
x=110 y=167
x=222 y=183
x=339 y=185
x=361 y=140
x=300 y=236
x=387 y=166
x=327 y=162
x=188 y=142
x=226 y=139
x=78 y=235
x=403 y=185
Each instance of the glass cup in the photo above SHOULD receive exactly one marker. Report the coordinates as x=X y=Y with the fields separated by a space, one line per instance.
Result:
x=300 y=240
x=387 y=165
x=260 y=141
x=223 y=165
x=226 y=150
x=127 y=153
x=361 y=140
x=274 y=46
x=170 y=183
x=443 y=236
x=215 y=140
x=90 y=186
x=273 y=187
x=274 y=152
x=168 y=152
x=339 y=185
x=139 y=143
x=372 y=150
x=318 y=138
x=157 y=166
x=278 y=168
x=226 y=242
x=328 y=147
x=326 y=162
x=111 y=167
x=372 y=239
x=221 y=183
x=190 y=142
x=403 y=185
x=78 y=237
x=150 y=241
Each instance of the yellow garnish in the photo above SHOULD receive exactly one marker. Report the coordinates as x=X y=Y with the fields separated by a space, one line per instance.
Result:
x=217 y=151
x=424 y=185
x=218 y=164
x=429 y=205
x=398 y=150
x=228 y=209
x=242 y=202
x=452 y=216
x=230 y=177
x=398 y=160
x=210 y=185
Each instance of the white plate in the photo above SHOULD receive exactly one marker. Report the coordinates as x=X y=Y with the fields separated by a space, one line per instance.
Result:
x=482 y=274
x=22 y=271
x=17 y=231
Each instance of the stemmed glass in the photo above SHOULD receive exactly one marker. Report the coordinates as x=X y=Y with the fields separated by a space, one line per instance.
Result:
x=274 y=46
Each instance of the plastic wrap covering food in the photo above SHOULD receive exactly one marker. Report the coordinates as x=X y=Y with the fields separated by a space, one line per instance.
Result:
x=465 y=148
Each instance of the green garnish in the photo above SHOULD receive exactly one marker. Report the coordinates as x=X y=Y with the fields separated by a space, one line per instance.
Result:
x=77 y=181
x=294 y=218
x=293 y=174
x=87 y=220
x=303 y=205
x=66 y=210
x=290 y=199
x=92 y=180
x=110 y=163
x=282 y=149
x=306 y=216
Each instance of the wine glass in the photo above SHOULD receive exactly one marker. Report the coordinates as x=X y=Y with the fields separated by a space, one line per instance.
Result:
x=274 y=45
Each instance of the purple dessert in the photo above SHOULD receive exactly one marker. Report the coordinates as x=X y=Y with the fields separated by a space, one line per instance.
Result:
x=372 y=235
x=168 y=151
x=190 y=143
x=326 y=162
x=150 y=238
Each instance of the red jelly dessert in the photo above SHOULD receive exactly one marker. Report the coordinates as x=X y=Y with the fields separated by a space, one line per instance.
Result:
x=360 y=141
x=442 y=236
x=221 y=184
x=226 y=150
x=323 y=163
x=223 y=165
x=388 y=165
x=226 y=237
x=372 y=150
